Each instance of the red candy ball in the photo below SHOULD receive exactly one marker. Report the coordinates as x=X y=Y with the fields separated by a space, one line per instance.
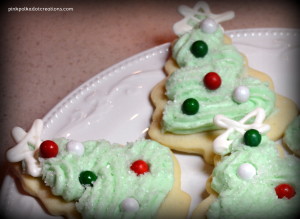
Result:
x=139 y=167
x=285 y=190
x=212 y=81
x=48 y=149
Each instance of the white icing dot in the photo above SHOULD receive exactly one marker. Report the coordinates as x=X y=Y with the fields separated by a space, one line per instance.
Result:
x=130 y=204
x=75 y=147
x=209 y=25
x=241 y=94
x=246 y=171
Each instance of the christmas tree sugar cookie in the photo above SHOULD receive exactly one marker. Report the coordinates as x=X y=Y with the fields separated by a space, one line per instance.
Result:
x=254 y=177
x=208 y=76
x=97 y=179
x=292 y=136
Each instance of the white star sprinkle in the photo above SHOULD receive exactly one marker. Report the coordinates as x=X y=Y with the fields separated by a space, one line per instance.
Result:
x=193 y=16
x=22 y=151
x=221 y=143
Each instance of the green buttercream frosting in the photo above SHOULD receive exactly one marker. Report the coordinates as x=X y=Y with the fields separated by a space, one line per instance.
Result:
x=255 y=197
x=181 y=49
x=292 y=135
x=115 y=181
x=187 y=82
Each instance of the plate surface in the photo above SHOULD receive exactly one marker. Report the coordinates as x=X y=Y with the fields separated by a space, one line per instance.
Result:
x=114 y=105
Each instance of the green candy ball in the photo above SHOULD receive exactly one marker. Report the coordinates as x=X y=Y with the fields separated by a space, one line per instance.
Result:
x=190 y=106
x=199 y=49
x=252 y=138
x=86 y=178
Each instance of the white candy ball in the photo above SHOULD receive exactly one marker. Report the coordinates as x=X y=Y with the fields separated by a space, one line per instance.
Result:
x=130 y=204
x=241 y=94
x=209 y=25
x=75 y=147
x=246 y=171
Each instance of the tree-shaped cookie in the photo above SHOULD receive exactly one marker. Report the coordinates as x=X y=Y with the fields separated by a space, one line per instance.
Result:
x=254 y=177
x=208 y=76
x=97 y=179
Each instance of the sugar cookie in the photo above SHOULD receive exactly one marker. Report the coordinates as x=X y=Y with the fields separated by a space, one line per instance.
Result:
x=292 y=136
x=94 y=179
x=208 y=76
x=251 y=181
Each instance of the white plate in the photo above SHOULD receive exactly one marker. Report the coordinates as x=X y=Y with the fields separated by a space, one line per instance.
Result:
x=115 y=105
